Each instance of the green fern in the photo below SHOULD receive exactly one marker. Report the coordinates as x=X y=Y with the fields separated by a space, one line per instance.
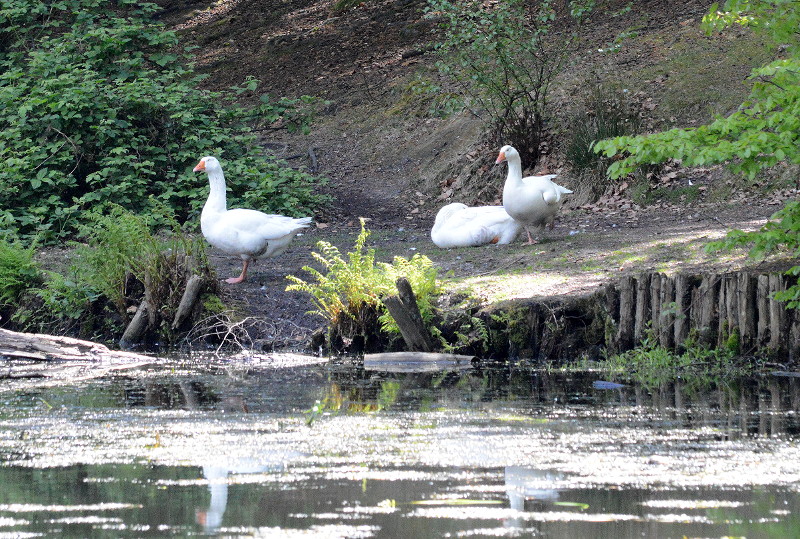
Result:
x=18 y=271
x=350 y=286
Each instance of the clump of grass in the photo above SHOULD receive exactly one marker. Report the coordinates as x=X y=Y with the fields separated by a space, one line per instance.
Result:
x=642 y=193
x=696 y=366
x=422 y=96
x=605 y=113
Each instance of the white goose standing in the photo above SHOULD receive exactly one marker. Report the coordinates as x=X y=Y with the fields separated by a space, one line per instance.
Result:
x=533 y=200
x=459 y=225
x=248 y=234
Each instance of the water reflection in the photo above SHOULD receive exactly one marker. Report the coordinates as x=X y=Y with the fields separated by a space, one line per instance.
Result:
x=492 y=451
x=526 y=486
x=760 y=406
x=218 y=477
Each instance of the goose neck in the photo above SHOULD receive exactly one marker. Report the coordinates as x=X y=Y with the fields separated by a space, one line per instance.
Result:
x=515 y=169
x=216 y=196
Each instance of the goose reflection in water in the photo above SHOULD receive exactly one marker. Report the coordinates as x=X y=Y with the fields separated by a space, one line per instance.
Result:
x=219 y=477
x=524 y=483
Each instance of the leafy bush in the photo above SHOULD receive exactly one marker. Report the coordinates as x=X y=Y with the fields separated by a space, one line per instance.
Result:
x=348 y=293
x=503 y=56
x=97 y=106
x=765 y=129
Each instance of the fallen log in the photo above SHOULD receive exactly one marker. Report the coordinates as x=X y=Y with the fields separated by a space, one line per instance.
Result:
x=40 y=347
x=417 y=362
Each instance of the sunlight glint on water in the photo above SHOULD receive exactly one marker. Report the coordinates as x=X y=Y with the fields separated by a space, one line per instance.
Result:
x=195 y=449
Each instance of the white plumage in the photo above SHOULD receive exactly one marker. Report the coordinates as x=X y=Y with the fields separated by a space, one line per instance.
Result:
x=533 y=200
x=248 y=234
x=458 y=225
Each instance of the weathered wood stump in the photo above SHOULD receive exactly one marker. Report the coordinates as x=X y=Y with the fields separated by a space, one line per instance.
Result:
x=405 y=311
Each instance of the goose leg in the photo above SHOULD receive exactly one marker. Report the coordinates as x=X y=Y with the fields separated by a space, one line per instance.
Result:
x=240 y=278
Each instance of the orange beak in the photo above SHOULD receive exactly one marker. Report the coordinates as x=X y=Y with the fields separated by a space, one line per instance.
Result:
x=500 y=158
x=200 y=166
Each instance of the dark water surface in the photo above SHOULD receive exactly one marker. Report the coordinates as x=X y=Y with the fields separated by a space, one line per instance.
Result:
x=288 y=446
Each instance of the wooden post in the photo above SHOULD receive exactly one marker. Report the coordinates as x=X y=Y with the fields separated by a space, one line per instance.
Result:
x=777 y=314
x=732 y=303
x=642 y=306
x=666 y=314
x=706 y=307
x=723 y=321
x=794 y=335
x=762 y=306
x=189 y=298
x=655 y=305
x=405 y=311
x=137 y=327
x=682 y=304
x=627 y=313
x=747 y=310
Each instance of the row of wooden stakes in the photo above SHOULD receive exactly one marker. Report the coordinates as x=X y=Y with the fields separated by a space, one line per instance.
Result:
x=713 y=308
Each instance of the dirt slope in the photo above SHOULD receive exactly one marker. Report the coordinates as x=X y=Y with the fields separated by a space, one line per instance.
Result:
x=392 y=166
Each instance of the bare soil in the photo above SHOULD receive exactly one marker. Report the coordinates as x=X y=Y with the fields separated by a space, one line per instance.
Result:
x=396 y=168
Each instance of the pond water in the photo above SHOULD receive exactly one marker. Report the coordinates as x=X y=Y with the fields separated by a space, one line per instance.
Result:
x=290 y=446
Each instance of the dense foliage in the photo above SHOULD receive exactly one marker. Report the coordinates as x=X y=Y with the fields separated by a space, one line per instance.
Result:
x=763 y=132
x=18 y=273
x=98 y=104
x=503 y=57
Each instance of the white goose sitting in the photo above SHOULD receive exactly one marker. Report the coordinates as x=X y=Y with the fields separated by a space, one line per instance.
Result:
x=458 y=225
x=534 y=200
x=249 y=234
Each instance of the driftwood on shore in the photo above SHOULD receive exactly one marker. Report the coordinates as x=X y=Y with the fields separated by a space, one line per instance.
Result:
x=40 y=347
x=417 y=362
x=33 y=360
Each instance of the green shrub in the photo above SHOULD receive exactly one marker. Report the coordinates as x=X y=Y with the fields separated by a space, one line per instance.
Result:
x=503 y=57
x=121 y=264
x=97 y=104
